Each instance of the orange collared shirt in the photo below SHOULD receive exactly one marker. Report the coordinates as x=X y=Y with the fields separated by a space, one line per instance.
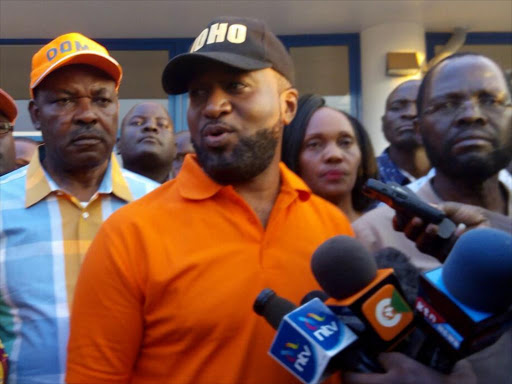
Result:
x=166 y=291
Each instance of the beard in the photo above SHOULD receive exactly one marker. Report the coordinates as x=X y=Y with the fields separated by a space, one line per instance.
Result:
x=250 y=156
x=474 y=165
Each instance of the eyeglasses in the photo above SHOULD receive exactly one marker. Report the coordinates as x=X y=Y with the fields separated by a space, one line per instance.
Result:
x=451 y=106
x=5 y=128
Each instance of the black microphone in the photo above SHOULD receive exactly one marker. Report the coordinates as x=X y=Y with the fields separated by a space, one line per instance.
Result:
x=314 y=294
x=405 y=271
x=370 y=300
x=465 y=305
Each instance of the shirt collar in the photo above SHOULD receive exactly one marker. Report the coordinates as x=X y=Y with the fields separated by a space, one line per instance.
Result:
x=40 y=184
x=193 y=183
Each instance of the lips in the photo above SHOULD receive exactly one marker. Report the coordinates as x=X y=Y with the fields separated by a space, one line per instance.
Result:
x=149 y=139
x=216 y=129
x=469 y=140
x=405 y=128
x=87 y=139
x=333 y=174
x=216 y=135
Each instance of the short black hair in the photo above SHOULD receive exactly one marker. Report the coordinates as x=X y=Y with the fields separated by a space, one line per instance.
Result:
x=426 y=80
x=293 y=138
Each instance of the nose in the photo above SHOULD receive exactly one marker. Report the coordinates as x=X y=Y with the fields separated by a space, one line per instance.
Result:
x=150 y=126
x=217 y=104
x=409 y=112
x=332 y=153
x=470 y=113
x=84 y=113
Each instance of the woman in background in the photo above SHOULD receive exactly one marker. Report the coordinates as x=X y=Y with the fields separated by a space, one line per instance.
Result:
x=332 y=153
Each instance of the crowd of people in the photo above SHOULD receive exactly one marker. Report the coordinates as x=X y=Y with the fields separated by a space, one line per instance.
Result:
x=137 y=258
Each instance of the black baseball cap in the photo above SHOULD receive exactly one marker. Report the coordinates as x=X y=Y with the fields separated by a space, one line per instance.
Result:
x=239 y=42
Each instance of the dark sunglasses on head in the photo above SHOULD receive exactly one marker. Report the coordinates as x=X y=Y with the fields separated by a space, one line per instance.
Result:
x=5 y=128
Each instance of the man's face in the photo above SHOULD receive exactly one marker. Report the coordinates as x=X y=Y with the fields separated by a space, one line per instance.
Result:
x=147 y=136
x=236 y=120
x=183 y=147
x=76 y=108
x=7 y=155
x=466 y=122
x=398 y=120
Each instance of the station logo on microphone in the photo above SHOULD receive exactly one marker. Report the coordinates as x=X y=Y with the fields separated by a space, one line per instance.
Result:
x=308 y=338
x=387 y=312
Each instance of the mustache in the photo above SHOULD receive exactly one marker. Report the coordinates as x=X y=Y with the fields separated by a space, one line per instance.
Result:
x=88 y=131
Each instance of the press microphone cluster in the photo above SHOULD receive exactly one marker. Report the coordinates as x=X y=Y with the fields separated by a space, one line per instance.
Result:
x=314 y=340
x=461 y=307
x=369 y=299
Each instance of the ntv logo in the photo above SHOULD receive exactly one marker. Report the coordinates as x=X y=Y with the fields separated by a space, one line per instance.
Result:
x=321 y=332
x=302 y=358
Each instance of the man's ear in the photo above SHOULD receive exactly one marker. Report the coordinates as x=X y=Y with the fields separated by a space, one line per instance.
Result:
x=289 y=102
x=33 y=109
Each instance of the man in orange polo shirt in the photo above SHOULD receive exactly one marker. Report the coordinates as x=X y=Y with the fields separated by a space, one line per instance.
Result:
x=166 y=291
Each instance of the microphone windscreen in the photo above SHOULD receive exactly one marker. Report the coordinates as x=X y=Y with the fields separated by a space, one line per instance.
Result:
x=272 y=307
x=343 y=266
x=406 y=273
x=478 y=270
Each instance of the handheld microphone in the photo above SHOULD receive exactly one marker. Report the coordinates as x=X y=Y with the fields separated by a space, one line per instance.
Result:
x=406 y=273
x=311 y=342
x=373 y=298
x=314 y=294
x=466 y=304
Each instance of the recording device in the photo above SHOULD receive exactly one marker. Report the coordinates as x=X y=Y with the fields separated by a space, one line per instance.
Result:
x=466 y=304
x=370 y=300
x=405 y=201
x=311 y=342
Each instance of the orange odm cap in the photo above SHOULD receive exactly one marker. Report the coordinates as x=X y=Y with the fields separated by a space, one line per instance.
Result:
x=72 y=48
x=8 y=106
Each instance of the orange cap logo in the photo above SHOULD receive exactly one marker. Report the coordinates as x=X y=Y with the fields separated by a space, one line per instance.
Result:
x=387 y=312
x=72 y=48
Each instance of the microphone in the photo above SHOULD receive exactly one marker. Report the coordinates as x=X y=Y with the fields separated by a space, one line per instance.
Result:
x=311 y=342
x=466 y=305
x=314 y=294
x=370 y=299
x=407 y=274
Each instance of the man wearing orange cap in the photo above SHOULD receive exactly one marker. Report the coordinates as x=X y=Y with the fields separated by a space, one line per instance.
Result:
x=52 y=208
x=8 y=113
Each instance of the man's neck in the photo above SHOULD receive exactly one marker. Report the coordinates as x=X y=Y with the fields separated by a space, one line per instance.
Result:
x=488 y=194
x=157 y=173
x=415 y=161
x=82 y=183
x=261 y=192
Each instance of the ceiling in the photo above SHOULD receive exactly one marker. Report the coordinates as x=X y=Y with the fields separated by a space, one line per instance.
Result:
x=165 y=19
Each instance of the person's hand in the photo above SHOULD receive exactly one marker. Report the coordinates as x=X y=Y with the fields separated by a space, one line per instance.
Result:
x=401 y=369
x=425 y=235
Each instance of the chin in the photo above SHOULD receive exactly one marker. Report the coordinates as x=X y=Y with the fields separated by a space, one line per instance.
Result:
x=332 y=194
